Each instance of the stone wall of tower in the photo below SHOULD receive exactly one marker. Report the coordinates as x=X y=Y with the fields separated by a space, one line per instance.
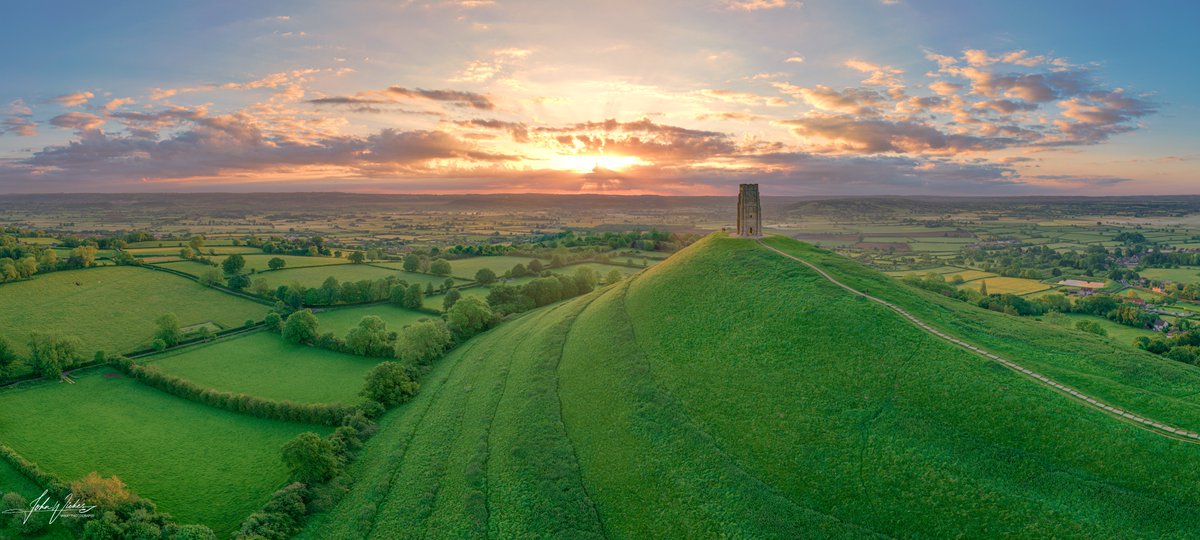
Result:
x=749 y=217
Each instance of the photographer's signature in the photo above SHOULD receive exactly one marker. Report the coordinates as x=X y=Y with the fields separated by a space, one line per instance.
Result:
x=68 y=507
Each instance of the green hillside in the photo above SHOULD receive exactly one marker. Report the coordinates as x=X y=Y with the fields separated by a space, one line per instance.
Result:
x=732 y=392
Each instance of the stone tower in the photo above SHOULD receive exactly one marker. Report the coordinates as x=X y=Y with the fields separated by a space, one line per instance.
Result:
x=749 y=219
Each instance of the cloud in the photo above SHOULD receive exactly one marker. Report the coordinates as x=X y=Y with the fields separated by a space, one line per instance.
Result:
x=744 y=98
x=794 y=60
x=880 y=75
x=77 y=121
x=843 y=133
x=118 y=103
x=19 y=126
x=394 y=94
x=74 y=99
x=857 y=101
x=756 y=5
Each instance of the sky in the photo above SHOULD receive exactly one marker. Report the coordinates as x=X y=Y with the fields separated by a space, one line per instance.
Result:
x=836 y=97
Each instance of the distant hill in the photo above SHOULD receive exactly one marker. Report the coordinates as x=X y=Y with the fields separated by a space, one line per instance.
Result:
x=732 y=392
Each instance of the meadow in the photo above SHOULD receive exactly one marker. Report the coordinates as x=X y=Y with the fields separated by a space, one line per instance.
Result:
x=113 y=308
x=197 y=463
x=466 y=268
x=314 y=276
x=1178 y=275
x=262 y=364
x=341 y=320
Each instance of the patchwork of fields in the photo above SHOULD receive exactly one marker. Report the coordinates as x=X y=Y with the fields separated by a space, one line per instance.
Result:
x=113 y=308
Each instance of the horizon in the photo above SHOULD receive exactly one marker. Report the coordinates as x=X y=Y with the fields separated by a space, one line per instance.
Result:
x=809 y=99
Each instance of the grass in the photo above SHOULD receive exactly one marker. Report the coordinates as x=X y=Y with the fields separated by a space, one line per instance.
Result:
x=1006 y=285
x=466 y=268
x=341 y=320
x=1118 y=333
x=113 y=308
x=1179 y=275
x=263 y=364
x=257 y=262
x=197 y=463
x=314 y=276
x=767 y=403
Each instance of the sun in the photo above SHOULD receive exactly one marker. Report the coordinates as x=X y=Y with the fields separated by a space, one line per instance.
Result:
x=586 y=163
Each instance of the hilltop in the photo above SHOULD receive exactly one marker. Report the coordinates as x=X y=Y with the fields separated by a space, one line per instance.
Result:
x=732 y=391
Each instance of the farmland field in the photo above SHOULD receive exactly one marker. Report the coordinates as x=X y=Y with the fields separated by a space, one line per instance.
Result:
x=1178 y=275
x=200 y=464
x=263 y=364
x=1006 y=285
x=466 y=268
x=314 y=276
x=341 y=320
x=113 y=308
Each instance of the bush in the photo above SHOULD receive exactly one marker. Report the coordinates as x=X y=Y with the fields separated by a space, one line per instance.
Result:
x=423 y=342
x=1092 y=327
x=273 y=322
x=280 y=518
x=310 y=458
x=390 y=384
x=468 y=317
x=50 y=354
x=301 y=327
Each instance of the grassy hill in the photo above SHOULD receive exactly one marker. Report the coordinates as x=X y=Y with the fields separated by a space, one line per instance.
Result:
x=730 y=391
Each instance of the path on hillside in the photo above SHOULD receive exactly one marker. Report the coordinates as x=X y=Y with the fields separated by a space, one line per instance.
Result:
x=1153 y=426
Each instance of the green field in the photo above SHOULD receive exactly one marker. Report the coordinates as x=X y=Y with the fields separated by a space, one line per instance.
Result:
x=1178 y=275
x=314 y=276
x=113 y=308
x=263 y=364
x=197 y=463
x=341 y=320
x=466 y=268
x=1118 y=333
x=256 y=263
x=205 y=251
x=731 y=392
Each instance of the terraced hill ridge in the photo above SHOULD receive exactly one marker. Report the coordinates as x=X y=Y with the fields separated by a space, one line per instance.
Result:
x=731 y=391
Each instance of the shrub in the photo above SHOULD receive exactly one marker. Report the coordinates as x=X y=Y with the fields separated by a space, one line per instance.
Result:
x=310 y=458
x=390 y=384
x=301 y=327
x=421 y=343
x=273 y=322
x=468 y=317
x=1092 y=327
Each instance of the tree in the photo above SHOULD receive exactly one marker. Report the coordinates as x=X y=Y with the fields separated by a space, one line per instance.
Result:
x=412 y=262
x=260 y=287
x=8 y=358
x=233 y=264
x=27 y=266
x=50 y=353
x=237 y=282
x=518 y=270
x=211 y=277
x=84 y=255
x=485 y=276
x=369 y=338
x=106 y=493
x=167 y=329
x=422 y=342
x=613 y=277
x=390 y=384
x=983 y=287
x=186 y=253
x=196 y=243
x=413 y=297
x=276 y=263
x=310 y=458
x=440 y=267
x=301 y=327
x=358 y=257
x=468 y=317
x=274 y=322
x=1091 y=327
x=48 y=260
x=450 y=299
x=429 y=289
x=447 y=285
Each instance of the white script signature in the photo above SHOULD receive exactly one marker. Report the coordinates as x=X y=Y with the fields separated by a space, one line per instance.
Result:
x=68 y=507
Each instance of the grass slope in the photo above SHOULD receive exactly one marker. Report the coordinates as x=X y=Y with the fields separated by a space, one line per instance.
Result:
x=113 y=308
x=197 y=463
x=731 y=392
x=263 y=364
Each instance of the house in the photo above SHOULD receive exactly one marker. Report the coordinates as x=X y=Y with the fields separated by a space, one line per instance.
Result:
x=1160 y=325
